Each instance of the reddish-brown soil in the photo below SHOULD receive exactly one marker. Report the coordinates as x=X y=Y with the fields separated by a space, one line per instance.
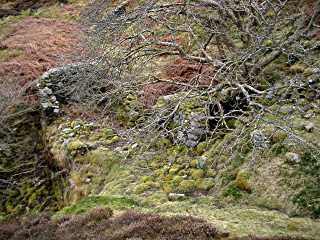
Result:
x=43 y=43
x=180 y=72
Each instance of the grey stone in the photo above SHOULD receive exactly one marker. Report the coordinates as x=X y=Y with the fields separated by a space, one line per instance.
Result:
x=309 y=126
x=259 y=139
x=190 y=143
x=176 y=196
x=45 y=105
x=293 y=157
x=192 y=137
x=54 y=84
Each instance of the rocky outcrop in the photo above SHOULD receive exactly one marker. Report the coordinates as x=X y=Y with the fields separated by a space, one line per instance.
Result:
x=66 y=84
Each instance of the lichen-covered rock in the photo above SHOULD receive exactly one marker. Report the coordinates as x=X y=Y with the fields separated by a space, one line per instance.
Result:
x=130 y=111
x=189 y=119
x=242 y=181
x=259 y=139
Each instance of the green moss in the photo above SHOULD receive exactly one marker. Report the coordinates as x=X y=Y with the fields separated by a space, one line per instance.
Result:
x=211 y=173
x=194 y=163
x=140 y=188
x=278 y=149
x=270 y=13
x=242 y=181
x=206 y=184
x=184 y=172
x=174 y=170
x=187 y=186
x=308 y=72
x=168 y=187
x=115 y=139
x=308 y=197
x=76 y=145
x=197 y=173
x=143 y=187
x=145 y=179
x=108 y=132
x=154 y=199
x=201 y=147
x=271 y=75
x=177 y=180
x=102 y=157
x=268 y=42
x=232 y=191
x=85 y=204
x=278 y=137
x=163 y=143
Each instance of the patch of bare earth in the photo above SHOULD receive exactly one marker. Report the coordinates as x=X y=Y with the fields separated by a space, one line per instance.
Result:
x=178 y=75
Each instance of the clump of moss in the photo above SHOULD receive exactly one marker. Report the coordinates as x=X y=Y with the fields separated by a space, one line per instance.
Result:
x=205 y=184
x=104 y=157
x=130 y=111
x=197 y=173
x=278 y=137
x=242 y=181
x=76 y=146
x=187 y=186
x=143 y=187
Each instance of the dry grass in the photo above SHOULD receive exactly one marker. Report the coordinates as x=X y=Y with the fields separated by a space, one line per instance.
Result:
x=99 y=224
x=43 y=42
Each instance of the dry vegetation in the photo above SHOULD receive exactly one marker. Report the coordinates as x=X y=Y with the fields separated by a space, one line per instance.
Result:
x=247 y=59
x=99 y=224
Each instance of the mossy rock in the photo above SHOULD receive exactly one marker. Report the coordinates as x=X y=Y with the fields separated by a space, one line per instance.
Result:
x=175 y=169
x=187 y=186
x=76 y=145
x=143 y=187
x=197 y=173
x=154 y=199
x=145 y=179
x=108 y=132
x=194 y=163
x=177 y=180
x=242 y=181
x=205 y=184
x=103 y=157
x=268 y=42
x=278 y=137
